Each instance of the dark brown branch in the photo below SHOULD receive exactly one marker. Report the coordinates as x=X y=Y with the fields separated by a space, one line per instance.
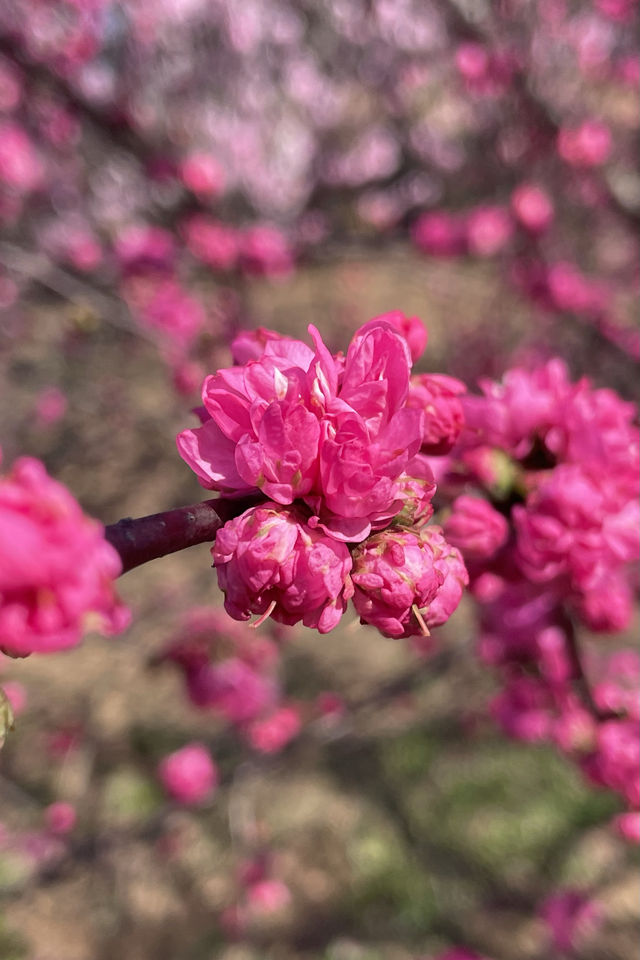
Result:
x=147 y=538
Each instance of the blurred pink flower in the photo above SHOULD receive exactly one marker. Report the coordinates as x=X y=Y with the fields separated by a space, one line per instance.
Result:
x=56 y=568
x=189 y=775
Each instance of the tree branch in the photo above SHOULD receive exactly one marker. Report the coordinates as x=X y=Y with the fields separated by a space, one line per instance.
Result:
x=147 y=538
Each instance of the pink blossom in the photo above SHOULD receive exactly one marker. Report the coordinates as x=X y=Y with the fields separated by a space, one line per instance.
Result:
x=81 y=249
x=570 y=290
x=621 y=10
x=251 y=344
x=20 y=166
x=330 y=705
x=532 y=207
x=187 y=376
x=416 y=490
x=411 y=328
x=264 y=429
x=265 y=251
x=439 y=234
x=472 y=61
x=449 y=564
x=270 y=562
x=395 y=575
x=628 y=826
x=576 y=523
x=212 y=242
x=360 y=474
x=56 y=568
x=475 y=527
x=60 y=817
x=588 y=145
x=458 y=953
x=267 y=896
x=524 y=709
x=50 y=406
x=438 y=396
x=615 y=761
x=202 y=174
x=608 y=605
x=270 y=734
x=139 y=246
x=231 y=688
x=570 y=916
x=512 y=412
x=488 y=230
x=173 y=313
x=189 y=775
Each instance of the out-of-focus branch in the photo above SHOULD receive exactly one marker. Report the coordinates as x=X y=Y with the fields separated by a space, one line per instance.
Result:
x=41 y=270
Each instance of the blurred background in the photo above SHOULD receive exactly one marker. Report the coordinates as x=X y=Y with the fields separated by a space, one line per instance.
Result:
x=170 y=173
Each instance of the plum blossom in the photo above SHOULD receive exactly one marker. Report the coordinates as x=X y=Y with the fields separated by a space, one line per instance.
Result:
x=398 y=577
x=475 y=527
x=439 y=397
x=189 y=775
x=271 y=562
x=56 y=568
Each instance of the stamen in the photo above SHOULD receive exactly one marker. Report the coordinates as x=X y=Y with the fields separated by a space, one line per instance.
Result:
x=265 y=616
x=423 y=627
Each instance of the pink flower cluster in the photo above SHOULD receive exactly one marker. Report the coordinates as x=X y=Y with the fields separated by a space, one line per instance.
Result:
x=231 y=672
x=56 y=568
x=336 y=443
x=548 y=522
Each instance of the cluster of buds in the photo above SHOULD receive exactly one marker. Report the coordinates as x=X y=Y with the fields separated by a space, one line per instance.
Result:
x=548 y=525
x=333 y=449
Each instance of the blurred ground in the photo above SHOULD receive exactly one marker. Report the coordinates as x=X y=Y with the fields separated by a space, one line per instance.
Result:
x=408 y=828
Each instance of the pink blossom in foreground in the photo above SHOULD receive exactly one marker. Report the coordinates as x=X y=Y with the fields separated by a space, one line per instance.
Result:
x=270 y=562
x=263 y=430
x=56 y=568
x=475 y=527
x=449 y=564
x=411 y=328
x=189 y=775
x=396 y=579
x=251 y=344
